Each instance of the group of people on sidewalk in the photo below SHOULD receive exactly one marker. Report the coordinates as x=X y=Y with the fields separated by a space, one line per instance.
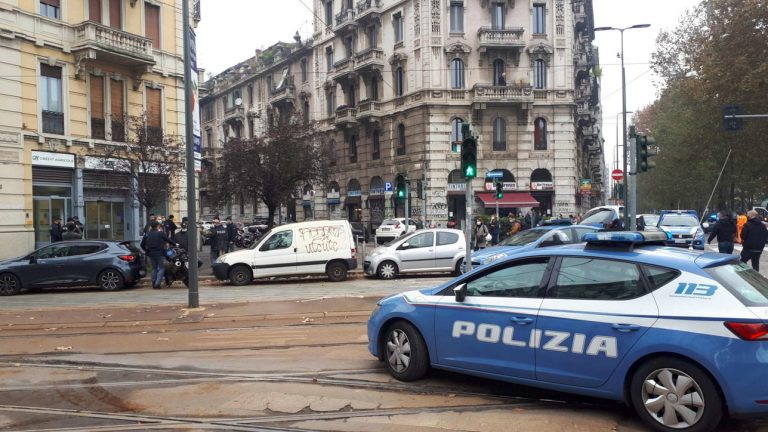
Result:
x=752 y=234
x=72 y=230
x=159 y=235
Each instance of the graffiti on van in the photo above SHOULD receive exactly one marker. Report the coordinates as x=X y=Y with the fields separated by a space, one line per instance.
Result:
x=322 y=238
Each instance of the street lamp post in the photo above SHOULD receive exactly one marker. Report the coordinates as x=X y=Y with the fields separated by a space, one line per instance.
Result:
x=629 y=204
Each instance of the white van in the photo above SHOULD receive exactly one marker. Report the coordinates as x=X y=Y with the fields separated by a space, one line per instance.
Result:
x=304 y=248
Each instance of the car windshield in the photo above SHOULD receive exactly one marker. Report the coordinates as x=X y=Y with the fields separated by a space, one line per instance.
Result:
x=747 y=284
x=679 y=221
x=650 y=219
x=598 y=216
x=524 y=237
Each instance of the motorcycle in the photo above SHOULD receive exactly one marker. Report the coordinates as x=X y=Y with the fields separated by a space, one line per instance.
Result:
x=177 y=265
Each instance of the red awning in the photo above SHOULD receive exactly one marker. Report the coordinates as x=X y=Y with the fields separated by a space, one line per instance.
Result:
x=510 y=199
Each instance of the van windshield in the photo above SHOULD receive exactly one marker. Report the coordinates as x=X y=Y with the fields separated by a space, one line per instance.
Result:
x=748 y=285
x=261 y=240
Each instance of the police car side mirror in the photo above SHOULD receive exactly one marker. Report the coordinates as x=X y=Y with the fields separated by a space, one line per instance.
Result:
x=460 y=292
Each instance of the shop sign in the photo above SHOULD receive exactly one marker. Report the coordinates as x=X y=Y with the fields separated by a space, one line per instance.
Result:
x=457 y=186
x=355 y=193
x=60 y=160
x=507 y=186
x=376 y=191
x=333 y=198
x=586 y=186
x=542 y=185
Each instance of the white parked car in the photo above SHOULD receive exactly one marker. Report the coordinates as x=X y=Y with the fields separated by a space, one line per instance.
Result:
x=428 y=250
x=391 y=229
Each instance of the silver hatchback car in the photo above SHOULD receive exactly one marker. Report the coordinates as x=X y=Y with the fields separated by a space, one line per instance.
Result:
x=427 y=250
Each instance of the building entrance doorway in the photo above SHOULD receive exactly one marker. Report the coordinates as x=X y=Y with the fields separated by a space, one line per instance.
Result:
x=105 y=220
x=46 y=210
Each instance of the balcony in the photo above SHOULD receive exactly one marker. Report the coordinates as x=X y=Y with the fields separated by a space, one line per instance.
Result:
x=345 y=21
x=506 y=38
x=234 y=113
x=106 y=44
x=368 y=10
x=286 y=95
x=490 y=94
x=369 y=110
x=344 y=70
x=369 y=60
x=346 y=117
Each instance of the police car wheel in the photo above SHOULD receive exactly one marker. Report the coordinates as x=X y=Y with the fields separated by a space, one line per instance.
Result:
x=387 y=270
x=671 y=394
x=405 y=353
x=240 y=275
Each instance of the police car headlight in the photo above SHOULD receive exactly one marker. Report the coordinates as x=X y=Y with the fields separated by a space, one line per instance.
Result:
x=493 y=258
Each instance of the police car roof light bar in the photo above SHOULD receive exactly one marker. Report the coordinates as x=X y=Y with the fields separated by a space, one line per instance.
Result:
x=624 y=239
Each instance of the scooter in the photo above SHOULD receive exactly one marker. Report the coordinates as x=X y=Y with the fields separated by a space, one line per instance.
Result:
x=177 y=265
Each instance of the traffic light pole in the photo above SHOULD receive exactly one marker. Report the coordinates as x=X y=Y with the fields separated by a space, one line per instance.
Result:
x=468 y=226
x=407 y=203
x=633 y=184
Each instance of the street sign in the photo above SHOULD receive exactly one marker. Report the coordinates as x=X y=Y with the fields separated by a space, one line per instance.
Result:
x=617 y=174
x=387 y=187
x=494 y=174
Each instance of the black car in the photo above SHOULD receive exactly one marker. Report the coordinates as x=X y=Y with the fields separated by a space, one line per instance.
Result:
x=110 y=265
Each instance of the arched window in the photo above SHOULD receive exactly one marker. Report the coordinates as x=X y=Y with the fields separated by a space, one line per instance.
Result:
x=399 y=81
x=499 y=134
x=540 y=74
x=539 y=134
x=499 y=79
x=456 y=136
x=457 y=74
x=400 y=139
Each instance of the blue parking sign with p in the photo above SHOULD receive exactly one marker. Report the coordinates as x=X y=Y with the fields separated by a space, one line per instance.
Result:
x=387 y=187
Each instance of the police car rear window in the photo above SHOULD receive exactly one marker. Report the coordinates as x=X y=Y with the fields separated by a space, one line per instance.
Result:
x=598 y=279
x=744 y=282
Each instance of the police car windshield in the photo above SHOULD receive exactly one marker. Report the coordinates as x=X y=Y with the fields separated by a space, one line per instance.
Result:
x=598 y=216
x=524 y=237
x=748 y=285
x=679 y=221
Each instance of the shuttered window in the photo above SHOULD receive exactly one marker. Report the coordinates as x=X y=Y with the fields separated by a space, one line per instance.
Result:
x=152 y=23
x=94 y=10
x=154 y=113
x=117 y=97
x=116 y=14
x=97 y=107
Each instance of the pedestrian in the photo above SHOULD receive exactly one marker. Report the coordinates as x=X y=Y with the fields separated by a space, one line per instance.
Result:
x=56 y=230
x=153 y=244
x=515 y=226
x=725 y=231
x=741 y=220
x=753 y=238
x=451 y=223
x=231 y=234
x=71 y=231
x=148 y=226
x=527 y=221
x=494 y=230
x=218 y=236
x=170 y=227
x=182 y=237
x=481 y=234
x=79 y=225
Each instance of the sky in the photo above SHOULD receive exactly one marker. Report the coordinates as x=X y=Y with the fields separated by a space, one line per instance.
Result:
x=231 y=30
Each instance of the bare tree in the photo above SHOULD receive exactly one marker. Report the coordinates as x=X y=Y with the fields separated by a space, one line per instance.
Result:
x=152 y=160
x=272 y=167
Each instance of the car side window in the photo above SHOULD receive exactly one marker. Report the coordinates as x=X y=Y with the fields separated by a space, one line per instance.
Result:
x=421 y=240
x=659 y=276
x=521 y=279
x=444 y=238
x=556 y=238
x=597 y=279
x=580 y=232
x=76 y=250
x=53 y=251
x=279 y=240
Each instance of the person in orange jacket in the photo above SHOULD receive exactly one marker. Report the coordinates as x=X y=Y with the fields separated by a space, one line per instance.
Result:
x=741 y=220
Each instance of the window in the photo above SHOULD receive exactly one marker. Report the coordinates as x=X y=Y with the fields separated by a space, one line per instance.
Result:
x=374 y=94
x=94 y=11
x=521 y=279
x=50 y=8
x=270 y=87
x=581 y=231
x=372 y=38
x=422 y=240
x=540 y=74
x=98 y=125
x=152 y=24
x=351 y=96
x=353 y=149
x=116 y=15
x=279 y=240
x=53 y=251
x=399 y=81
x=539 y=134
x=499 y=78
x=209 y=139
x=400 y=139
x=328 y=12
x=457 y=17
x=349 y=46
x=444 y=238
x=376 y=145
x=329 y=58
x=499 y=134
x=539 y=19
x=497 y=16
x=117 y=112
x=350 y=4
x=51 y=103
x=397 y=23
x=659 y=276
x=304 y=74
x=305 y=112
x=744 y=282
x=597 y=279
x=76 y=250
x=154 y=113
x=332 y=152
x=457 y=74
x=456 y=136
x=235 y=96
x=330 y=104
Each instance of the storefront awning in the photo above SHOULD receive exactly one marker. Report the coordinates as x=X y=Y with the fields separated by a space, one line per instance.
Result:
x=353 y=200
x=510 y=199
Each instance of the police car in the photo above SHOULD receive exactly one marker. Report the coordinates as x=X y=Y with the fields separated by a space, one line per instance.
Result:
x=682 y=336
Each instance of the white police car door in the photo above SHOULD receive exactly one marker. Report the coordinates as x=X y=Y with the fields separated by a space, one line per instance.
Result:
x=491 y=330
x=594 y=311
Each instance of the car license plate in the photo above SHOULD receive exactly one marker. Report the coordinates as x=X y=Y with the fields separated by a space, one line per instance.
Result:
x=680 y=241
x=385 y=229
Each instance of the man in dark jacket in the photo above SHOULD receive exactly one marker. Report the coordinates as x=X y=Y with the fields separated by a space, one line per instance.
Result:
x=231 y=233
x=725 y=231
x=56 y=230
x=170 y=227
x=219 y=239
x=753 y=238
x=153 y=245
x=148 y=226
x=182 y=237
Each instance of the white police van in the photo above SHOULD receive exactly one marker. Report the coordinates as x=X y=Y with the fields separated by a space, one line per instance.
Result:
x=681 y=336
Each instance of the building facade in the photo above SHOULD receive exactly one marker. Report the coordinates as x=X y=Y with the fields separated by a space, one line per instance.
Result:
x=72 y=71
x=391 y=83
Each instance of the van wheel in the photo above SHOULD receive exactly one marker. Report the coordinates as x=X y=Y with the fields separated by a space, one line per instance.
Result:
x=240 y=275
x=387 y=270
x=9 y=285
x=336 y=272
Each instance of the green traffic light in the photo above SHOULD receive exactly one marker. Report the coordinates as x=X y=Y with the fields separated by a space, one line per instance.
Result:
x=469 y=172
x=499 y=195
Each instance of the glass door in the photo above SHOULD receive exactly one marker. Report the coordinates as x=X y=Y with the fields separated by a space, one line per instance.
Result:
x=105 y=220
x=46 y=210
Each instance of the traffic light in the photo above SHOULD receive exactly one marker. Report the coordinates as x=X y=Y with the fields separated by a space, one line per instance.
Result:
x=499 y=190
x=619 y=191
x=645 y=150
x=469 y=158
x=731 y=123
x=400 y=187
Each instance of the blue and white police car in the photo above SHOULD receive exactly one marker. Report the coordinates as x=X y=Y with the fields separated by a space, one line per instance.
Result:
x=680 y=335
